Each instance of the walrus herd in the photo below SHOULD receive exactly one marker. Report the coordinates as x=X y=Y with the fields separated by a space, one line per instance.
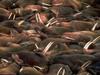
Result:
x=49 y=37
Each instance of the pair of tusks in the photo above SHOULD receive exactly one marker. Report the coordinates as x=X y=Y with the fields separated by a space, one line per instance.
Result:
x=35 y=68
x=85 y=65
x=38 y=18
x=46 y=48
x=51 y=22
x=83 y=68
x=63 y=73
x=12 y=15
x=91 y=42
x=17 y=11
x=64 y=70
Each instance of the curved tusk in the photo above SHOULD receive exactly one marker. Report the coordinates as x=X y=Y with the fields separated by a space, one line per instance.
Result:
x=63 y=72
x=14 y=16
x=94 y=27
x=87 y=45
x=90 y=42
x=36 y=16
x=4 y=60
x=20 y=22
x=59 y=70
x=45 y=4
x=86 y=64
x=95 y=40
x=54 y=22
x=48 y=47
x=10 y=16
x=49 y=22
x=51 y=19
x=21 y=69
x=39 y=18
x=37 y=47
x=38 y=67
